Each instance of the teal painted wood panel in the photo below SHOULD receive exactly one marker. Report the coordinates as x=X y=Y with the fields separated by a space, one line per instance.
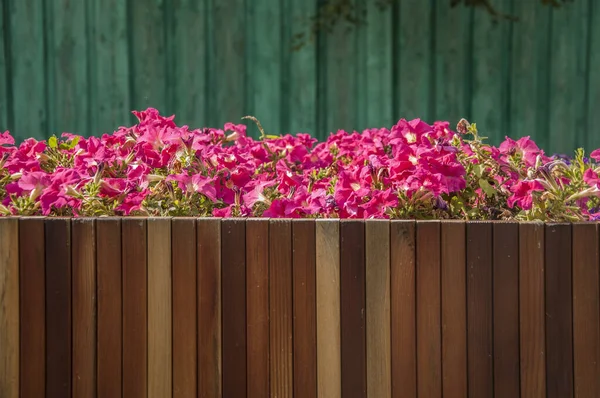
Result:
x=593 y=80
x=4 y=71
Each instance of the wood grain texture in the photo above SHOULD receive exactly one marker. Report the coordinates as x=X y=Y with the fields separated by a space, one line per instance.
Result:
x=377 y=263
x=403 y=309
x=454 y=311
x=83 y=257
x=135 y=307
x=353 y=305
x=507 y=382
x=532 y=310
x=281 y=308
x=32 y=298
x=304 y=308
x=257 y=306
x=58 y=307
x=9 y=307
x=208 y=257
x=329 y=382
x=428 y=296
x=233 y=256
x=160 y=339
x=110 y=314
x=185 y=351
x=586 y=311
x=559 y=311
x=479 y=310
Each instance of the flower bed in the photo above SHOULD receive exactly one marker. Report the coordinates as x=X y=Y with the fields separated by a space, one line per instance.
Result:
x=411 y=171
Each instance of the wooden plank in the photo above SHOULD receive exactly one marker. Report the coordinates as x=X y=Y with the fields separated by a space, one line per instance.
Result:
x=110 y=77
x=58 y=307
x=479 y=310
x=559 y=313
x=32 y=290
x=233 y=255
x=281 y=308
x=506 y=310
x=28 y=69
x=403 y=309
x=110 y=299
x=593 y=76
x=208 y=258
x=428 y=296
x=531 y=310
x=135 y=307
x=160 y=339
x=304 y=308
x=257 y=306
x=379 y=361
x=66 y=65
x=185 y=363
x=83 y=257
x=454 y=311
x=5 y=83
x=353 y=305
x=9 y=307
x=329 y=381
x=586 y=311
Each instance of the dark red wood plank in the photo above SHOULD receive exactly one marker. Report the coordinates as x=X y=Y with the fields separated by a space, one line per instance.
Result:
x=110 y=326
x=233 y=255
x=506 y=310
x=586 y=311
x=281 y=308
x=532 y=310
x=454 y=310
x=403 y=309
x=32 y=296
x=559 y=314
x=257 y=301
x=305 y=308
x=208 y=257
x=353 y=304
x=479 y=309
x=135 y=307
x=429 y=339
x=83 y=256
x=58 y=307
x=183 y=241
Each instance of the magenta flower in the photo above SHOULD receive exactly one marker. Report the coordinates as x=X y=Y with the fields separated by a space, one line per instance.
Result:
x=523 y=194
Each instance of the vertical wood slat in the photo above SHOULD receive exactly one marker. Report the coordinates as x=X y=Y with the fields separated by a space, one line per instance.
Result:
x=32 y=300
x=506 y=310
x=479 y=309
x=185 y=364
x=403 y=309
x=352 y=304
x=9 y=308
x=58 y=307
x=559 y=314
x=160 y=341
x=429 y=339
x=454 y=311
x=135 y=307
x=377 y=263
x=304 y=308
x=233 y=255
x=83 y=257
x=257 y=302
x=586 y=310
x=281 y=308
x=110 y=320
x=327 y=235
x=532 y=310
x=208 y=257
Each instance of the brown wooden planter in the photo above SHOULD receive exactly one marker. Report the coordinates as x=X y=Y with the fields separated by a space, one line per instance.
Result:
x=137 y=307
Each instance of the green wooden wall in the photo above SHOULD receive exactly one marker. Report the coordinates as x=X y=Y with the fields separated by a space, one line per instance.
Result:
x=82 y=65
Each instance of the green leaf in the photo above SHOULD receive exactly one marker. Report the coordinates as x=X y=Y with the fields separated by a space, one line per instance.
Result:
x=53 y=142
x=477 y=170
x=487 y=188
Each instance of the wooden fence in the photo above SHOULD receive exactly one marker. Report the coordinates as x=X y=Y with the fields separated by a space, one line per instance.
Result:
x=182 y=307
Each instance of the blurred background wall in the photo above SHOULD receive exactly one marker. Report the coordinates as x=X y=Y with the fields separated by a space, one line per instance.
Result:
x=82 y=65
